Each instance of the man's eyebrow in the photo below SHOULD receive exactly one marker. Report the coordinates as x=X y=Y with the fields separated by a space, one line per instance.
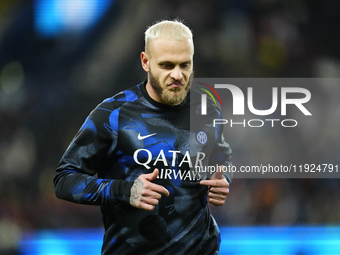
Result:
x=167 y=62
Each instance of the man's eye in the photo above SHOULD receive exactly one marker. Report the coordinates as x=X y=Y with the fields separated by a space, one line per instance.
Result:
x=166 y=66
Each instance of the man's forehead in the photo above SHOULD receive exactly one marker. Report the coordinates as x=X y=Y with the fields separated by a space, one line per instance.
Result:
x=161 y=46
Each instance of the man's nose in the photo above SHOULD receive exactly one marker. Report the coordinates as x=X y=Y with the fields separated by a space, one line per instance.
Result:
x=176 y=74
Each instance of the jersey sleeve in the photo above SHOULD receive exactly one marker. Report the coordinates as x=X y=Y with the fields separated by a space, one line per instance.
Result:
x=75 y=179
x=221 y=154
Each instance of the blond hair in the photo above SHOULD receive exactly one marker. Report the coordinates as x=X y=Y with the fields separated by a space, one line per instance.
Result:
x=167 y=29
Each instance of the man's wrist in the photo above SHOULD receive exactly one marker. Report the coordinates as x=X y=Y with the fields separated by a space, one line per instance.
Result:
x=120 y=191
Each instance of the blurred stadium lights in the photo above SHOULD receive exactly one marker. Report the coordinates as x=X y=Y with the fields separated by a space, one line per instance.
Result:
x=265 y=240
x=56 y=17
x=12 y=94
x=12 y=77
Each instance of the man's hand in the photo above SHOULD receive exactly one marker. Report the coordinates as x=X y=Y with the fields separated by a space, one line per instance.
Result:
x=144 y=193
x=218 y=188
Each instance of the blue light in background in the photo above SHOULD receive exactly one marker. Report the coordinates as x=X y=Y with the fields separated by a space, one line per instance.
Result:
x=55 y=17
x=62 y=242
x=301 y=240
x=281 y=240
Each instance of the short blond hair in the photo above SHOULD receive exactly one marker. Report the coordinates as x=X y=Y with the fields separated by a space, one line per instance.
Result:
x=167 y=29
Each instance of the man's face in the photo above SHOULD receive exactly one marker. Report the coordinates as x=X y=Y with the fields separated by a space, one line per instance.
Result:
x=170 y=67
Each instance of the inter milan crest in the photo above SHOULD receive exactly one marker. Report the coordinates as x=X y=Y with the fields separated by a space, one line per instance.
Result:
x=202 y=137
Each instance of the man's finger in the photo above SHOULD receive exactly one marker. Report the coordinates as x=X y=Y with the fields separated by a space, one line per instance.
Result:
x=146 y=206
x=151 y=176
x=155 y=187
x=215 y=183
x=159 y=189
x=220 y=190
x=152 y=186
x=216 y=202
x=150 y=201
x=151 y=194
x=217 y=175
x=217 y=196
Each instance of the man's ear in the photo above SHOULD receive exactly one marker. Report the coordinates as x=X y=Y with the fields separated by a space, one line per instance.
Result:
x=145 y=61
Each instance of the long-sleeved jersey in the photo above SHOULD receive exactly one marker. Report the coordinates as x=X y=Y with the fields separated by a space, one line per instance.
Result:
x=131 y=134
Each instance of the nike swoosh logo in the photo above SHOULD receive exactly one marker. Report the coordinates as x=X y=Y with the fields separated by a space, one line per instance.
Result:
x=140 y=137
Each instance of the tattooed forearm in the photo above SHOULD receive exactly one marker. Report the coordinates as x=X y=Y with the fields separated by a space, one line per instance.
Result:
x=136 y=192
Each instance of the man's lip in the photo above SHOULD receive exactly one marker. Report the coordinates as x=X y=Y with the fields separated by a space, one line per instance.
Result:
x=176 y=85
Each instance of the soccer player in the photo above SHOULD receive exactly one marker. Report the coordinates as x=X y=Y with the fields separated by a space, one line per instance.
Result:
x=145 y=144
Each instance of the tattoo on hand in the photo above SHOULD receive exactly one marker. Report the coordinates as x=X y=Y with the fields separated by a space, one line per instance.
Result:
x=136 y=192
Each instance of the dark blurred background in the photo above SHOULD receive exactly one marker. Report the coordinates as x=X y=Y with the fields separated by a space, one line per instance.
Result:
x=59 y=59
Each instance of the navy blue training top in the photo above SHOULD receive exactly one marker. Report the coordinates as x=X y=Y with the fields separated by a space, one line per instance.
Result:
x=128 y=135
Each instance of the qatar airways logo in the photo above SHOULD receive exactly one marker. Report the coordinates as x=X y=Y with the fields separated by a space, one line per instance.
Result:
x=238 y=108
x=171 y=169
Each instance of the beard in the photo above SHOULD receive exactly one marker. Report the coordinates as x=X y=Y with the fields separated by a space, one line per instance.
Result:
x=170 y=96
